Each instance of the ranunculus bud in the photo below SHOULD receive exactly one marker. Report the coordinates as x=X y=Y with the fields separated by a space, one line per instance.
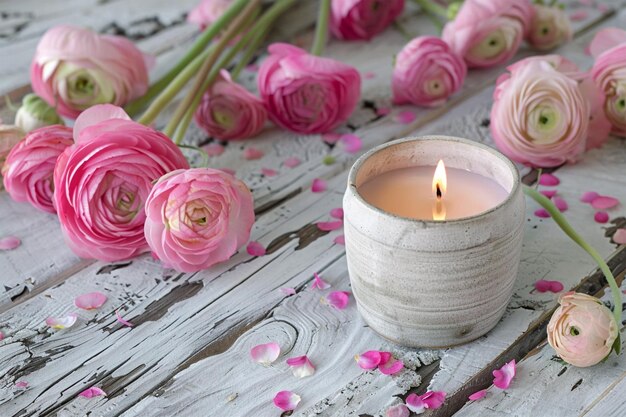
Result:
x=29 y=167
x=75 y=68
x=608 y=47
x=582 y=330
x=198 y=217
x=35 y=113
x=229 y=111
x=541 y=114
x=306 y=93
x=103 y=180
x=362 y=19
x=427 y=72
x=488 y=32
x=9 y=137
x=549 y=27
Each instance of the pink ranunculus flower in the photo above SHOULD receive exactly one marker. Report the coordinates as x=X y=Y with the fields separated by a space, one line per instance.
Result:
x=10 y=135
x=362 y=19
x=103 y=180
x=609 y=72
x=198 y=217
x=488 y=32
x=540 y=115
x=582 y=330
x=427 y=72
x=549 y=27
x=306 y=93
x=229 y=111
x=29 y=167
x=207 y=12
x=75 y=68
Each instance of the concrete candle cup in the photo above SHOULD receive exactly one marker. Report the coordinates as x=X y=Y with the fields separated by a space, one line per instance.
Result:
x=426 y=283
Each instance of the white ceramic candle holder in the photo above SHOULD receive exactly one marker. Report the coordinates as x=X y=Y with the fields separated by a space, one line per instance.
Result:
x=424 y=283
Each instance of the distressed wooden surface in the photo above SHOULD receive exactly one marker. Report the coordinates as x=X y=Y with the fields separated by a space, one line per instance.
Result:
x=187 y=354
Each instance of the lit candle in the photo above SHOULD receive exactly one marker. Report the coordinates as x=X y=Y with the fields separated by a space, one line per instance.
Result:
x=417 y=193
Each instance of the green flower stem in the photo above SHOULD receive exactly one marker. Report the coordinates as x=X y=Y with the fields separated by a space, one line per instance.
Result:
x=569 y=231
x=233 y=29
x=197 y=48
x=321 y=30
x=203 y=155
x=432 y=8
x=262 y=26
x=250 y=51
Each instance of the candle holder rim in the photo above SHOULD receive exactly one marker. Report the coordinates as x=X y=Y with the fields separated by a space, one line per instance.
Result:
x=361 y=160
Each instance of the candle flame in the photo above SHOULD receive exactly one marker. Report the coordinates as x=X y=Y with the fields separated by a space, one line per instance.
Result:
x=439 y=181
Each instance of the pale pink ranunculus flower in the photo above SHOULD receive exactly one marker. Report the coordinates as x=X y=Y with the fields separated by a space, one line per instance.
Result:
x=549 y=27
x=228 y=111
x=540 y=114
x=305 y=93
x=427 y=72
x=609 y=72
x=488 y=32
x=207 y=12
x=10 y=135
x=362 y=19
x=75 y=68
x=198 y=217
x=582 y=330
x=29 y=167
x=103 y=180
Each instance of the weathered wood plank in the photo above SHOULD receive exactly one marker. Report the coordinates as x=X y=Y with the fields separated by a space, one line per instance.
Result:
x=611 y=403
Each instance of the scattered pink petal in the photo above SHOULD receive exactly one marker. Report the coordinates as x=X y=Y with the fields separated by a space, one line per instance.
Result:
x=228 y=171
x=389 y=365
x=292 y=162
x=338 y=299
x=619 y=237
x=589 y=196
x=120 y=320
x=92 y=392
x=543 y=213
x=265 y=353
x=429 y=400
x=252 y=68
x=351 y=143
x=548 y=193
x=301 y=366
x=504 y=375
x=337 y=213
x=9 y=243
x=328 y=226
x=252 y=153
x=405 y=117
x=601 y=217
x=214 y=149
x=478 y=395
x=399 y=410
x=1 y=336
x=369 y=75
x=62 y=322
x=286 y=400
x=604 y=202
x=288 y=291
x=331 y=138
x=319 y=283
x=369 y=360
x=578 y=15
x=544 y=286
x=268 y=172
x=340 y=240
x=549 y=180
x=383 y=111
x=21 y=384
x=256 y=249
x=90 y=301
x=560 y=204
x=319 y=185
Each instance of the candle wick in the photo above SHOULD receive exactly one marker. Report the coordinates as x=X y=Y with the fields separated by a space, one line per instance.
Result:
x=439 y=193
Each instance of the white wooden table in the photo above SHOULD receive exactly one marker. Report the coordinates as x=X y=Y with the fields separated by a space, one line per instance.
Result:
x=187 y=354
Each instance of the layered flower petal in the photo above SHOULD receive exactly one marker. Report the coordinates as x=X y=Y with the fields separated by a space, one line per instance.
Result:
x=329 y=226
x=503 y=376
x=362 y=19
x=603 y=202
x=286 y=400
x=389 y=365
x=338 y=299
x=319 y=283
x=429 y=400
x=369 y=360
x=121 y=320
x=92 y=392
x=60 y=323
x=399 y=410
x=255 y=249
x=478 y=395
x=549 y=27
x=301 y=366
x=265 y=353
x=9 y=242
x=90 y=301
x=319 y=185
x=351 y=143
